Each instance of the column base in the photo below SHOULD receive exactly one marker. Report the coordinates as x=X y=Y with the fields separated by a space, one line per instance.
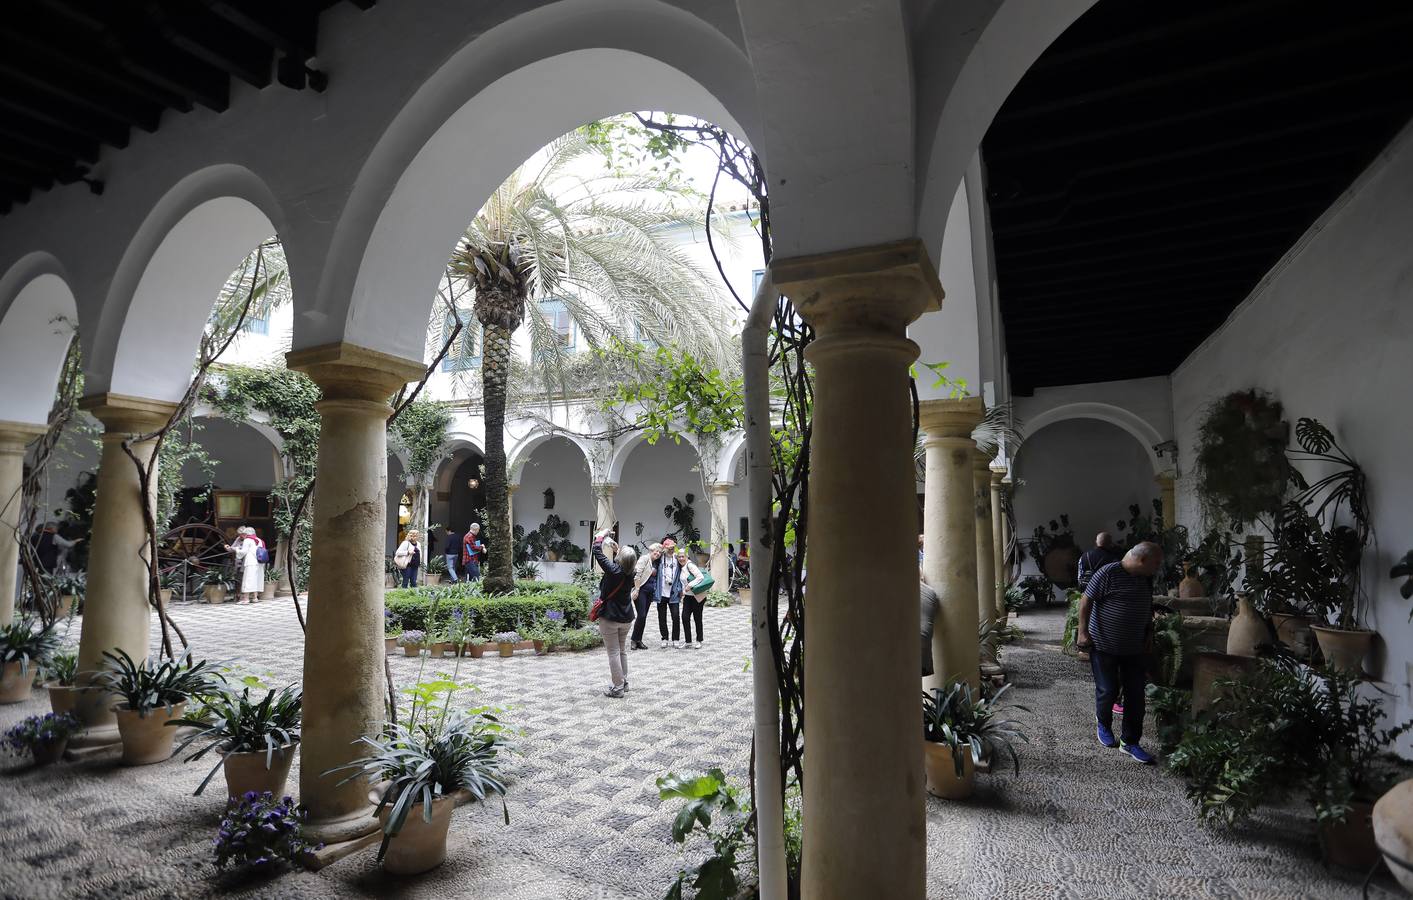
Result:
x=346 y=829
x=102 y=735
x=333 y=852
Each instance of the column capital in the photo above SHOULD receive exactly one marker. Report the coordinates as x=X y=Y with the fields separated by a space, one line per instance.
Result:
x=511 y=487
x=349 y=372
x=981 y=462
x=1165 y=479
x=17 y=434
x=883 y=287
x=604 y=486
x=948 y=418
x=123 y=414
x=720 y=487
x=998 y=476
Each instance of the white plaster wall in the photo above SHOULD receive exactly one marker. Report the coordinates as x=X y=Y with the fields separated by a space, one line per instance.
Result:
x=950 y=334
x=1144 y=404
x=1330 y=334
x=1089 y=469
x=244 y=458
x=559 y=464
x=653 y=475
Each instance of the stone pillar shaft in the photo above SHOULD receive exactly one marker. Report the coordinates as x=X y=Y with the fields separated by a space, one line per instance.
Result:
x=343 y=647
x=13 y=438
x=720 y=533
x=864 y=823
x=949 y=536
x=116 y=611
x=998 y=542
x=1167 y=488
x=985 y=546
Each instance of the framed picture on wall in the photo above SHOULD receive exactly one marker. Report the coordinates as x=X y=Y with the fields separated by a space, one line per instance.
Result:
x=230 y=505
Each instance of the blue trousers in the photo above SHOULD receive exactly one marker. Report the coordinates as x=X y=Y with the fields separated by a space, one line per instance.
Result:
x=1111 y=673
x=450 y=567
x=409 y=577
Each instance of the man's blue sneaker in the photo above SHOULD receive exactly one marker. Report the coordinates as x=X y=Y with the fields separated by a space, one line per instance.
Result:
x=1106 y=735
x=1139 y=754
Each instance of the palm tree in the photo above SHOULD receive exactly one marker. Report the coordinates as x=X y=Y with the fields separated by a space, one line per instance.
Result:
x=600 y=243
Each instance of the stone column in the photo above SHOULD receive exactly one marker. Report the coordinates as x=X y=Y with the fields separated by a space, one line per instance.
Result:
x=985 y=551
x=949 y=536
x=998 y=541
x=720 y=533
x=864 y=824
x=603 y=508
x=343 y=647
x=1167 y=487
x=116 y=611
x=13 y=438
x=510 y=489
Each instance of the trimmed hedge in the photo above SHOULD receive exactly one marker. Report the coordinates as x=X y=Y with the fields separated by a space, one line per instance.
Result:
x=507 y=612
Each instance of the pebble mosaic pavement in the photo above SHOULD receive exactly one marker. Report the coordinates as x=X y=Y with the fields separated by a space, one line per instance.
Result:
x=586 y=823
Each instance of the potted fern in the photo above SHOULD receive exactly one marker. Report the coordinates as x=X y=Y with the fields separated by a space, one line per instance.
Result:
x=149 y=694
x=255 y=739
x=960 y=729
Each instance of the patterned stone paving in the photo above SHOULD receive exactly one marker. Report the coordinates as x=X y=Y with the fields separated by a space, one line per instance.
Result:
x=585 y=820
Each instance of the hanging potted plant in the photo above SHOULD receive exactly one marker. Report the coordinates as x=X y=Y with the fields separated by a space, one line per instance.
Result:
x=960 y=729
x=255 y=739
x=421 y=766
x=44 y=737
x=151 y=693
x=60 y=672
x=26 y=645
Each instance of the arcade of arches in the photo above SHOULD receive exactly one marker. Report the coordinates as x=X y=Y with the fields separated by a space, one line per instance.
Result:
x=1104 y=216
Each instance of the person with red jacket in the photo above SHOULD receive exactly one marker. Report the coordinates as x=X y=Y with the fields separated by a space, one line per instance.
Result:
x=473 y=552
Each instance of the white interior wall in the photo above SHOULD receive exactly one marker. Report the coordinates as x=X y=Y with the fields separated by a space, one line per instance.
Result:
x=1330 y=334
x=652 y=476
x=244 y=458
x=951 y=334
x=558 y=464
x=1085 y=468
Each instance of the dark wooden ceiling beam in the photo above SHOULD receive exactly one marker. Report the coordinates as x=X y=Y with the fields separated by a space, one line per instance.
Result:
x=50 y=143
x=47 y=117
x=292 y=28
x=35 y=76
x=195 y=31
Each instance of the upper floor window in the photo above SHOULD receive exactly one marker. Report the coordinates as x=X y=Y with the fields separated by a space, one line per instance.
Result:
x=256 y=324
x=465 y=354
x=557 y=317
x=756 y=277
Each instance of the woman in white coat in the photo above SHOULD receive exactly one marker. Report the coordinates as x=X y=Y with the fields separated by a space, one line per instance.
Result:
x=252 y=572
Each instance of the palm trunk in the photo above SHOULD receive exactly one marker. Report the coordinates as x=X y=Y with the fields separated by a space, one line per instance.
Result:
x=499 y=577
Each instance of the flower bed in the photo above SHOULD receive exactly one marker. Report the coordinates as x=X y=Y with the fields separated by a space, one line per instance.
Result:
x=409 y=607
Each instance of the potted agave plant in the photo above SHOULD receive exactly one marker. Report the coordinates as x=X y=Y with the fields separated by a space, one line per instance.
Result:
x=26 y=646
x=255 y=738
x=421 y=769
x=44 y=737
x=960 y=729
x=61 y=672
x=149 y=694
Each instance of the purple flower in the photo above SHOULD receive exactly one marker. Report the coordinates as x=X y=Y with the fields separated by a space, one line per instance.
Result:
x=554 y=615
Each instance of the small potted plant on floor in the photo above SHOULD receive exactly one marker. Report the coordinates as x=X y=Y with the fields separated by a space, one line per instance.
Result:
x=741 y=584
x=59 y=674
x=553 y=628
x=476 y=645
x=255 y=738
x=150 y=693
x=420 y=766
x=215 y=585
x=70 y=587
x=412 y=641
x=171 y=584
x=459 y=632
x=960 y=729
x=506 y=641
x=392 y=630
x=45 y=737
x=436 y=570
x=262 y=833
x=272 y=582
x=537 y=635
x=26 y=645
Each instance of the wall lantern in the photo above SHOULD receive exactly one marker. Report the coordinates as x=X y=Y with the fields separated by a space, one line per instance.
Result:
x=473 y=483
x=549 y=498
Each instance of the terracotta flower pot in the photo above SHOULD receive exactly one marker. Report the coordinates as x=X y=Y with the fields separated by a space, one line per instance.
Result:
x=476 y=650
x=506 y=649
x=1344 y=648
x=1191 y=586
x=14 y=684
x=743 y=596
x=1351 y=842
x=942 y=780
x=66 y=605
x=539 y=647
x=442 y=648
x=411 y=649
x=1208 y=668
x=214 y=593
x=1294 y=631
x=433 y=580
x=147 y=739
x=1393 y=831
x=246 y=771
x=389 y=645
x=62 y=698
x=420 y=846
x=48 y=752
x=1248 y=629
x=268 y=593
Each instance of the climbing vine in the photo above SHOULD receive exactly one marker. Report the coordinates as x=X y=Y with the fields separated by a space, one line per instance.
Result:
x=421 y=431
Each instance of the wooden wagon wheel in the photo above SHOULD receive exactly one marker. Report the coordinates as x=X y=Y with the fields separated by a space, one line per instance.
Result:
x=189 y=552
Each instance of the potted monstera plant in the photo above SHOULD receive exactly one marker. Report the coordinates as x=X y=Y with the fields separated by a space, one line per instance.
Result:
x=149 y=694
x=255 y=739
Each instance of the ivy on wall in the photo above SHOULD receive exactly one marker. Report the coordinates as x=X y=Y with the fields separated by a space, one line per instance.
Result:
x=421 y=431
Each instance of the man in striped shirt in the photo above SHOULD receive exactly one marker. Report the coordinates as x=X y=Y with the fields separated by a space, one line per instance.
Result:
x=1115 y=612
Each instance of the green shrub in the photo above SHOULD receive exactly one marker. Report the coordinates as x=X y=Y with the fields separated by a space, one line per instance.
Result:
x=585 y=638
x=409 y=607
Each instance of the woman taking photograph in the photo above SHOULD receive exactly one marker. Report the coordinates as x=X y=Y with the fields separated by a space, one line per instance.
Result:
x=408 y=558
x=616 y=614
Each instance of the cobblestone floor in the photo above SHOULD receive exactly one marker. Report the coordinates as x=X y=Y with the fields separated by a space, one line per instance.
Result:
x=586 y=823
